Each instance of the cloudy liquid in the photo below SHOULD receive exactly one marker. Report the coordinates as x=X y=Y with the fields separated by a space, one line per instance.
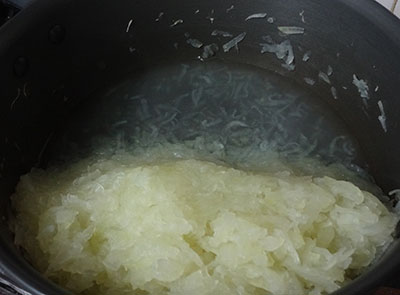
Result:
x=240 y=110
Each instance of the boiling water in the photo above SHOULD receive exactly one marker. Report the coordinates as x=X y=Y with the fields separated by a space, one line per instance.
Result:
x=232 y=112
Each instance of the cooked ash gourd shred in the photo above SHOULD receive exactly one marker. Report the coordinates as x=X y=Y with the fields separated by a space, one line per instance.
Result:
x=129 y=224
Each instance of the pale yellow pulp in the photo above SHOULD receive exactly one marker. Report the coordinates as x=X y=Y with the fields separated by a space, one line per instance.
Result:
x=118 y=226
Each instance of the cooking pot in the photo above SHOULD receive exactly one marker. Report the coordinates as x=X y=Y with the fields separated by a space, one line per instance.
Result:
x=56 y=53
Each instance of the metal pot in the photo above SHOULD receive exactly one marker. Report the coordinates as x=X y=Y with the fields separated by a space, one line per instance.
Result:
x=55 y=49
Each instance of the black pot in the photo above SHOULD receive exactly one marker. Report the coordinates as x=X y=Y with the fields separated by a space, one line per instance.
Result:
x=55 y=49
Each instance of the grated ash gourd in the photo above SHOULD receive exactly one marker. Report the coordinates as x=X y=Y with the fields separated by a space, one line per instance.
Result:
x=128 y=225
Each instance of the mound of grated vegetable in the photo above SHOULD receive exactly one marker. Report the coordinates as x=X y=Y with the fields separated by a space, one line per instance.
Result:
x=119 y=225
